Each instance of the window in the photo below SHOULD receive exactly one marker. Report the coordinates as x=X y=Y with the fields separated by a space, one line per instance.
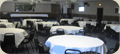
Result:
x=23 y=7
x=116 y=10
x=81 y=8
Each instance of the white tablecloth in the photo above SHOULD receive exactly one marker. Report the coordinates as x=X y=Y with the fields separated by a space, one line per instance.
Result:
x=115 y=27
x=1 y=51
x=83 y=23
x=19 y=34
x=67 y=29
x=8 y=25
x=3 y=20
x=58 y=44
x=69 y=20
x=33 y=20
x=50 y=24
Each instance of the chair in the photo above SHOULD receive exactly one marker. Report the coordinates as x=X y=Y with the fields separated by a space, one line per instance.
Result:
x=29 y=40
x=108 y=31
x=55 y=24
x=103 y=38
x=28 y=23
x=109 y=22
x=40 y=27
x=47 y=29
x=74 y=23
x=113 y=50
x=21 y=21
x=98 y=28
x=80 y=32
x=60 y=31
x=90 y=52
x=41 y=30
x=9 y=43
x=2 y=26
x=87 y=29
x=64 y=23
x=39 y=46
x=72 y=51
x=16 y=26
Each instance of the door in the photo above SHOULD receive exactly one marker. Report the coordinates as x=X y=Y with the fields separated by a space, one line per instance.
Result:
x=99 y=15
x=69 y=12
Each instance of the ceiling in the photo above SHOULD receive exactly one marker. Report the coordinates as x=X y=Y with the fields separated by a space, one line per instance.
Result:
x=62 y=0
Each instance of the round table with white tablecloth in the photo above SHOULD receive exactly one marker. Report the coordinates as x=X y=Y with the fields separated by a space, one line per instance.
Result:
x=115 y=27
x=8 y=25
x=67 y=29
x=19 y=34
x=33 y=20
x=69 y=20
x=58 y=44
x=3 y=20
x=50 y=24
x=83 y=23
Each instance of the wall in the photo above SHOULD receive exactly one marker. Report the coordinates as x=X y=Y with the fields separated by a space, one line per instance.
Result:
x=40 y=7
x=43 y=7
x=108 y=8
x=7 y=7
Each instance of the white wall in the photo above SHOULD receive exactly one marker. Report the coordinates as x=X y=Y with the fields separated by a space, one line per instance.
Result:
x=40 y=7
x=108 y=8
x=43 y=7
x=7 y=7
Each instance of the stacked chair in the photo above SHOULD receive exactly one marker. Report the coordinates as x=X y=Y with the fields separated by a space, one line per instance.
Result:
x=72 y=51
x=2 y=26
x=8 y=45
x=64 y=23
x=87 y=29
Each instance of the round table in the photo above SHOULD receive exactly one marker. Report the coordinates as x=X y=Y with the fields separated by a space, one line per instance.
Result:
x=3 y=20
x=115 y=27
x=58 y=44
x=67 y=29
x=33 y=20
x=83 y=23
x=8 y=25
x=69 y=20
x=50 y=24
x=19 y=34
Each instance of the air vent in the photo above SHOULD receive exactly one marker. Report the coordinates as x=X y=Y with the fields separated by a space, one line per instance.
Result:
x=15 y=0
x=46 y=0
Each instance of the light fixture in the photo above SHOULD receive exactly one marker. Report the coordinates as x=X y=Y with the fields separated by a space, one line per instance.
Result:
x=31 y=2
x=100 y=4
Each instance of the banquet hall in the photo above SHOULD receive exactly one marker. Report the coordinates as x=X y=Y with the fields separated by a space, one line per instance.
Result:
x=59 y=27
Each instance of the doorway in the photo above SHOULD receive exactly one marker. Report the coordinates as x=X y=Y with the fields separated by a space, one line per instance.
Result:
x=99 y=15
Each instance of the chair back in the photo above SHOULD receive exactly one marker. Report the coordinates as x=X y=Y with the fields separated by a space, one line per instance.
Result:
x=89 y=27
x=102 y=26
x=72 y=51
x=41 y=47
x=108 y=29
x=9 y=39
x=55 y=24
x=103 y=38
x=47 y=29
x=64 y=23
x=32 y=34
x=16 y=26
x=116 y=46
x=80 y=32
x=40 y=27
x=109 y=22
x=2 y=26
x=28 y=22
x=60 y=31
